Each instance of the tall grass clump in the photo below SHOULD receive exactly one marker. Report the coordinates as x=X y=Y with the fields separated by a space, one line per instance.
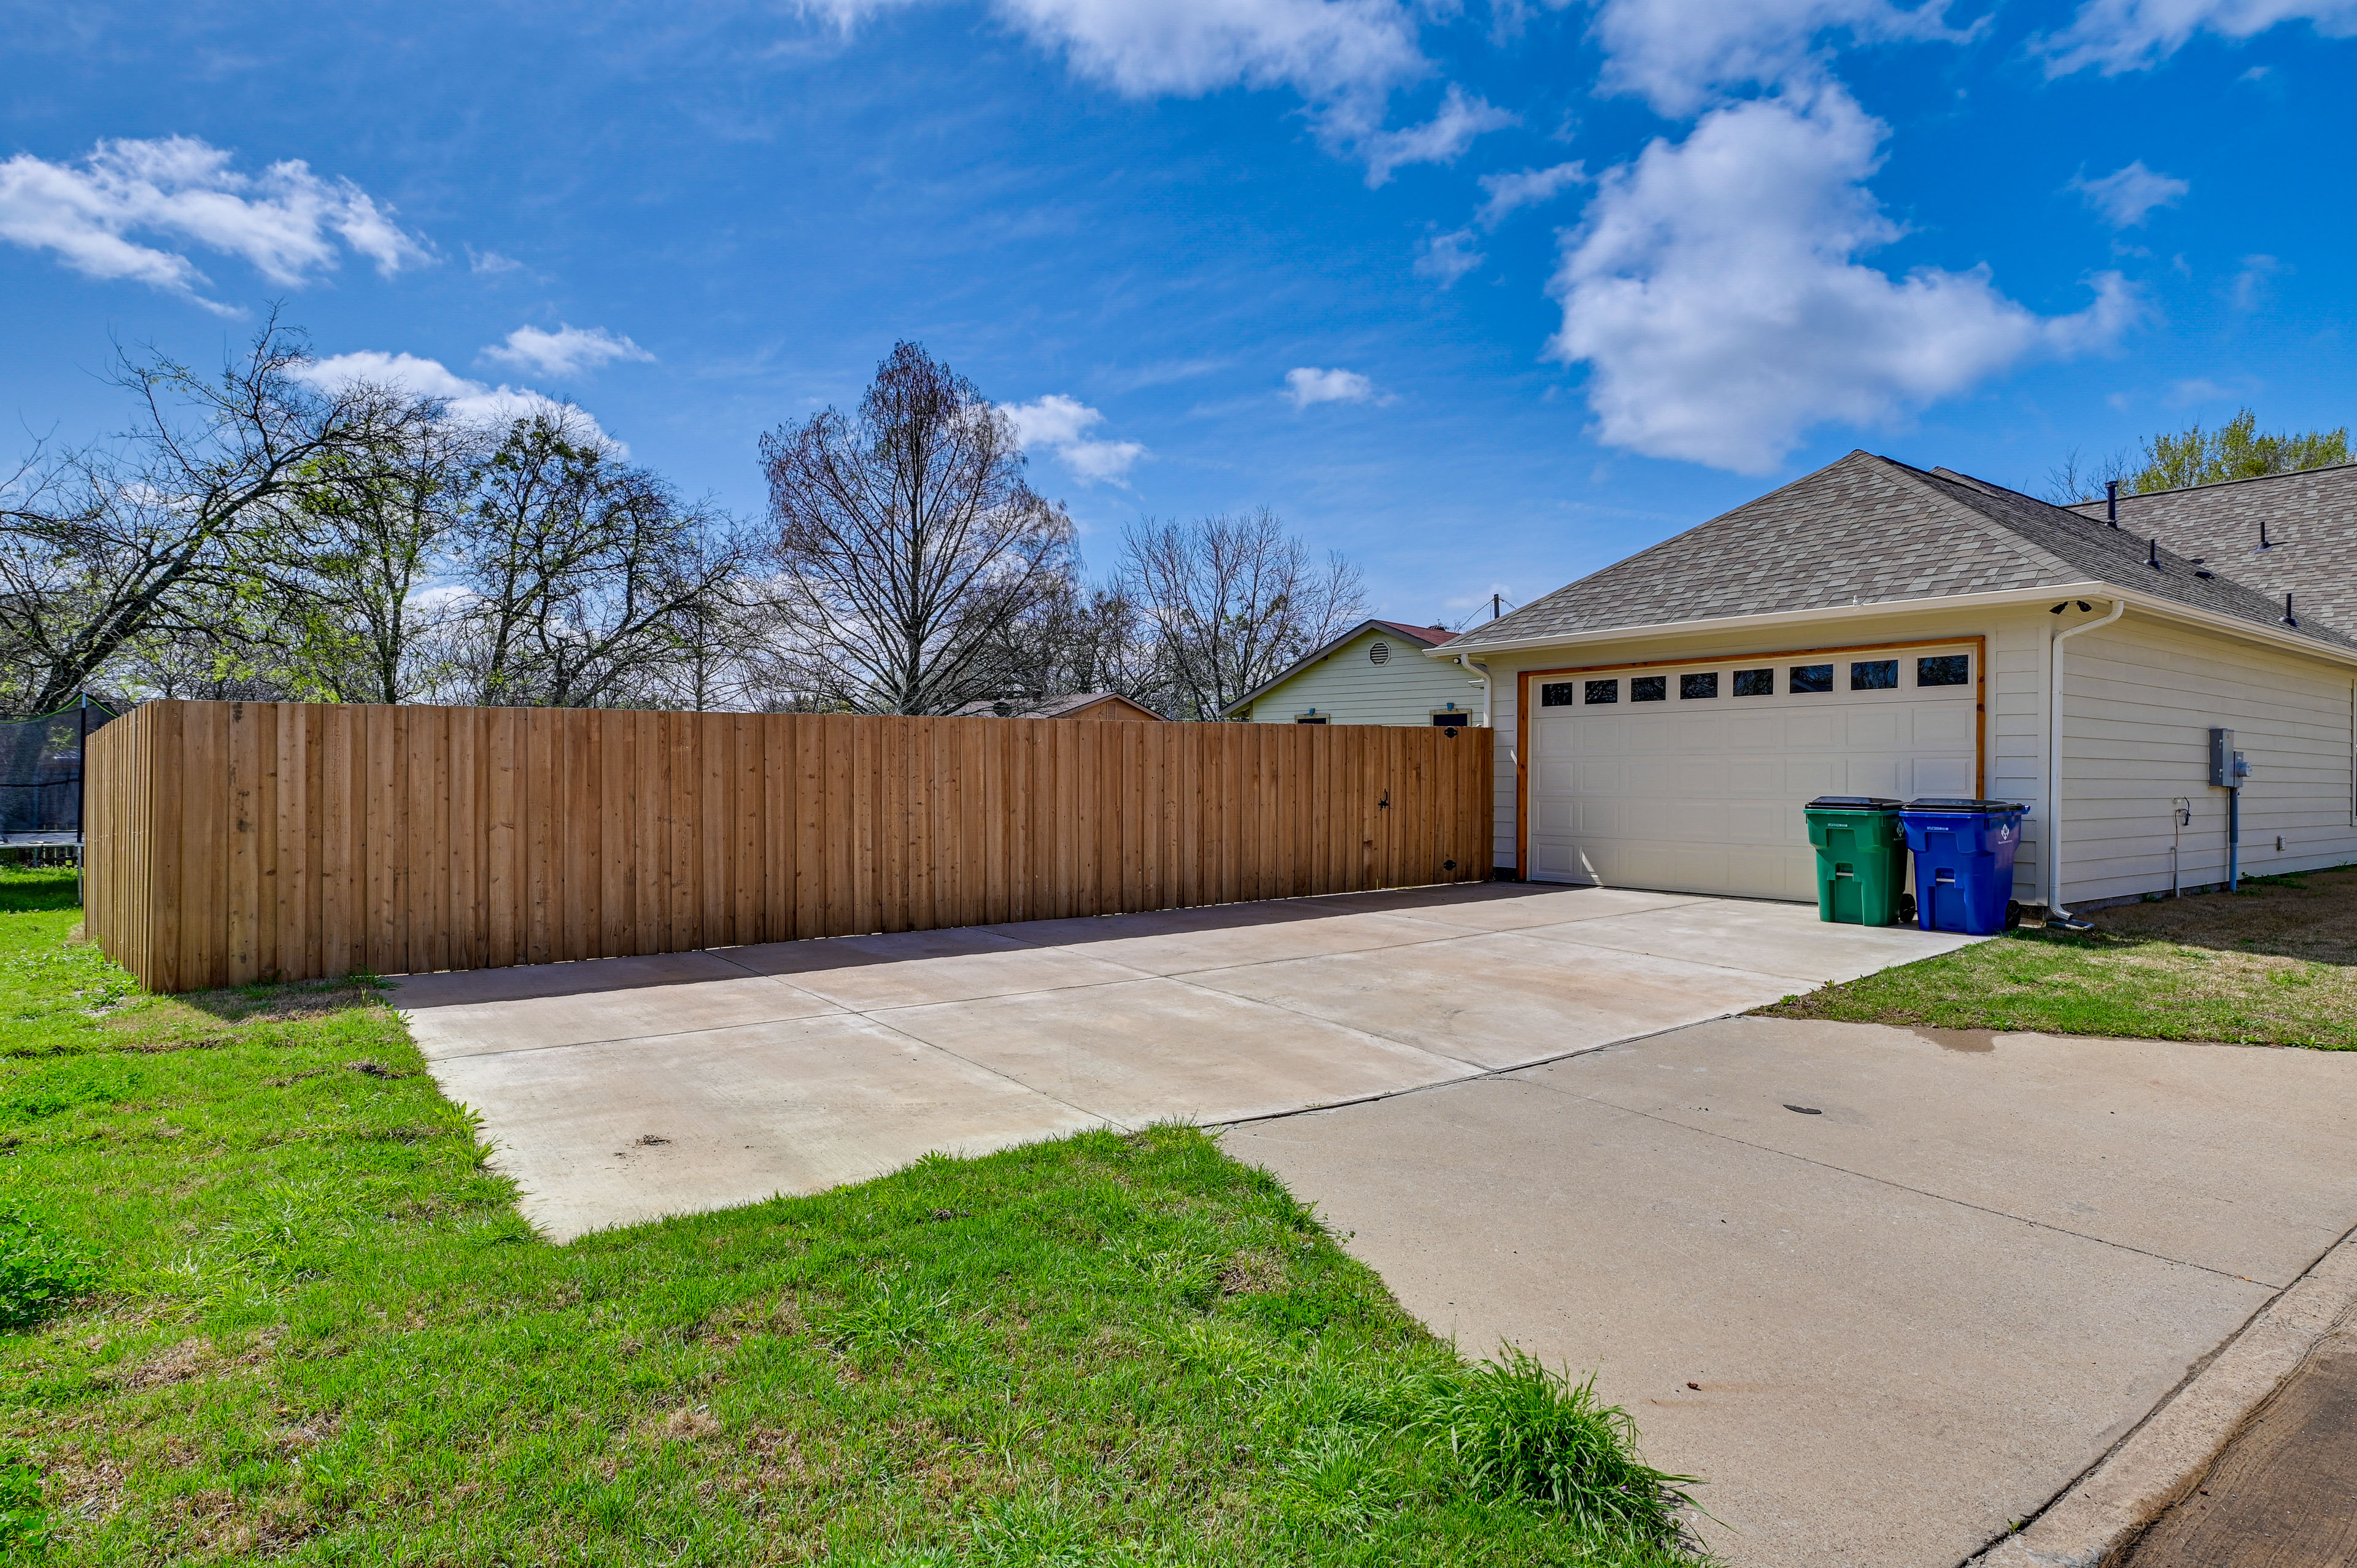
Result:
x=41 y=1270
x=1516 y=1430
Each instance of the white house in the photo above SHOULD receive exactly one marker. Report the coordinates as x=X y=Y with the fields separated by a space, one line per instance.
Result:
x=1368 y=675
x=1874 y=628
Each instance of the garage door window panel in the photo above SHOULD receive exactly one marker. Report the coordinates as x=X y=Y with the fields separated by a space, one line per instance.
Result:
x=1648 y=688
x=1811 y=678
x=1874 y=675
x=1944 y=670
x=1603 y=691
x=1699 y=685
x=1755 y=683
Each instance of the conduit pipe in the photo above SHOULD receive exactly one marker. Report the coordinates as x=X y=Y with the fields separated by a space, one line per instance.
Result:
x=2055 y=909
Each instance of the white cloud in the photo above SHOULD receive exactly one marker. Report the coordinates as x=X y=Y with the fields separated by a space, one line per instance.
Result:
x=2127 y=198
x=1676 y=53
x=1438 y=140
x=490 y=264
x=472 y=402
x=568 y=352
x=2252 y=280
x=1062 y=425
x=1445 y=258
x=2116 y=36
x=1510 y=193
x=1344 y=57
x=1714 y=294
x=285 y=221
x=1305 y=385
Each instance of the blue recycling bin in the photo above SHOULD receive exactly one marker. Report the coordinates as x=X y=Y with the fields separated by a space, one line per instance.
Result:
x=1963 y=861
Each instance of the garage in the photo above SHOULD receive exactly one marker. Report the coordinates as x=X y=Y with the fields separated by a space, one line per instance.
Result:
x=1691 y=777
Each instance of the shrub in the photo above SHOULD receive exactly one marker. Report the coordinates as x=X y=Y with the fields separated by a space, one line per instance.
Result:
x=1516 y=1430
x=40 y=1270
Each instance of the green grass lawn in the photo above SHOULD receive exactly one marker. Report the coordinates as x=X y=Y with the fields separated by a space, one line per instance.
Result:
x=2275 y=963
x=317 y=1330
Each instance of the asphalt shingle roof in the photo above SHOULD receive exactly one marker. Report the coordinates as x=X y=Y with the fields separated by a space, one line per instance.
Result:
x=1872 y=531
x=2311 y=526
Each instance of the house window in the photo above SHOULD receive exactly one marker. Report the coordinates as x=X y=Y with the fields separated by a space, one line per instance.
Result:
x=1604 y=691
x=1874 y=675
x=1649 y=688
x=1310 y=719
x=1812 y=678
x=1703 y=685
x=1558 y=695
x=1755 y=683
x=1944 y=670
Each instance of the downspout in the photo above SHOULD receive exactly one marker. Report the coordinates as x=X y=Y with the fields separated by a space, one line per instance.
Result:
x=2056 y=915
x=1484 y=669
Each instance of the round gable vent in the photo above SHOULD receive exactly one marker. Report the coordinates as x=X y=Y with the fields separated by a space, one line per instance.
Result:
x=1379 y=654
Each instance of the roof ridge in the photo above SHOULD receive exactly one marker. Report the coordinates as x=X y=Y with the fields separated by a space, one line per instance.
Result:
x=2033 y=553
x=2216 y=484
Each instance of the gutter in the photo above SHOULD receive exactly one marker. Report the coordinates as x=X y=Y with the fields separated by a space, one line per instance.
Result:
x=2056 y=915
x=2164 y=608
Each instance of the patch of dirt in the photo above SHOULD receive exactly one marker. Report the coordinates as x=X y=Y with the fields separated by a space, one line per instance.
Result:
x=2312 y=916
x=185 y=1362
x=369 y=1067
x=694 y=1425
x=1251 y=1274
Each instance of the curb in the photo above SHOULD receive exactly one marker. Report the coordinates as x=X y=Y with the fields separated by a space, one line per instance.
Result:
x=2101 y=1515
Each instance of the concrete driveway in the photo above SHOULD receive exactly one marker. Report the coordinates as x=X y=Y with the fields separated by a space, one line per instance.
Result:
x=1889 y=1293
x=625 y=1089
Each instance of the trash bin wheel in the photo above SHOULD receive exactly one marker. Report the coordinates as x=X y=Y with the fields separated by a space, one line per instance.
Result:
x=2012 y=916
x=1907 y=907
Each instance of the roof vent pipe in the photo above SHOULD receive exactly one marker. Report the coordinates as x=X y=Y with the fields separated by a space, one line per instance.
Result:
x=2289 y=618
x=2152 y=552
x=2264 y=543
x=2112 y=502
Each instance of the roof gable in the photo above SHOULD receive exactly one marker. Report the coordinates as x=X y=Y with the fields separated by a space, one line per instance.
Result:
x=1422 y=636
x=1870 y=530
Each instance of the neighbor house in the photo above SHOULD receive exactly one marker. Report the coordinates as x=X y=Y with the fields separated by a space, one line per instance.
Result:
x=1878 y=629
x=1075 y=706
x=1371 y=674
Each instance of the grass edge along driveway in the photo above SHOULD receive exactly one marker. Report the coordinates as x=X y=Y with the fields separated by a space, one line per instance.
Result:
x=2275 y=963
x=307 y=1322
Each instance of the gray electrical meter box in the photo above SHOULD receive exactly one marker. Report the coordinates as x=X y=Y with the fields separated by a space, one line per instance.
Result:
x=2221 y=759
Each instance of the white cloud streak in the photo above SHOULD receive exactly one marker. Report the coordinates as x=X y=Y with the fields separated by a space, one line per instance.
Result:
x=1445 y=258
x=1510 y=193
x=1307 y=385
x=568 y=352
x=1714 y=294
x=1676 y=54
x=285 y=222
x=2126 y=198
x=1061 y=425
x=2116 y=35
x=1439 y=140
x=470 y=402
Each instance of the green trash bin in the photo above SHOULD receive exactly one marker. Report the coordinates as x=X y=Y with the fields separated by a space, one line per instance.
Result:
x=1861 y=858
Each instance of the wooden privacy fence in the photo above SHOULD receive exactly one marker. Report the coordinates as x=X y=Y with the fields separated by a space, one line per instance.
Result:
x=235 y=841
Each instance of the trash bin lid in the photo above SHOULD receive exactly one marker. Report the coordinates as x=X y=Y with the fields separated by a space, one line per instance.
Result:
x=1943 y=803
x=1853 y=803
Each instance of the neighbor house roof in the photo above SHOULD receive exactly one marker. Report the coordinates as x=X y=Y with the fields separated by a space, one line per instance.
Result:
x=1422 y=636
x=2311 y=521
x=1870 y=531
x=1048 y=707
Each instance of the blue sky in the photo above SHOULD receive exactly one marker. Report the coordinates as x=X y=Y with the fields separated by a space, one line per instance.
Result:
x=1484 y=295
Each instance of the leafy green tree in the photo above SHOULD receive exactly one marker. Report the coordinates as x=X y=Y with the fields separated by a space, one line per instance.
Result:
x=2236 y=450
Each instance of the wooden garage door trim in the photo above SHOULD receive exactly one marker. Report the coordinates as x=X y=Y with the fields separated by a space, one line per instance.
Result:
x=1523 y=678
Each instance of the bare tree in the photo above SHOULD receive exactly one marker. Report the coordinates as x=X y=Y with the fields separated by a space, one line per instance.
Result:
x=1077 y=639
x=1232 y=600
x=103 y=546
x=907 y=539
x=576 y=570
x=2079 y=479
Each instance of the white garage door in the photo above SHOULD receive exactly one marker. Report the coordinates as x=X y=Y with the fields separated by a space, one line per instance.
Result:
x=1691 y=778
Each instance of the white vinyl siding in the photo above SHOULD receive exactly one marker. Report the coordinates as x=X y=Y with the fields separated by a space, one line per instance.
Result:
x=1346 y=687
x=2139 y=698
